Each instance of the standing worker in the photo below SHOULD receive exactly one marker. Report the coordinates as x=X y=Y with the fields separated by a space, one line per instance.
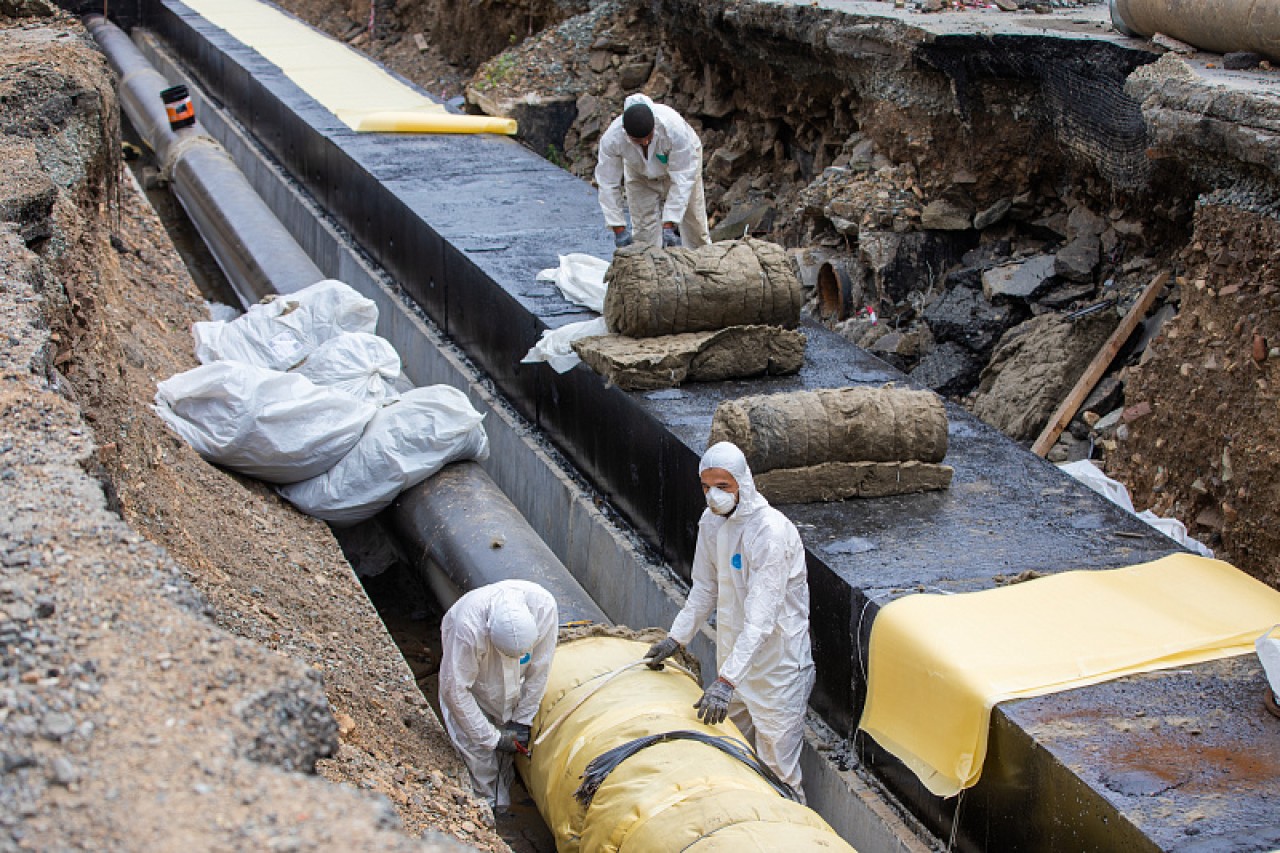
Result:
x=498 y=643
x=749 y=566
x=658 y=156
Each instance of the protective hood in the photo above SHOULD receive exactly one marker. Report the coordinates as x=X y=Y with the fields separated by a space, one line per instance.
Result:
x=726 y=455
x=637 y=98
x=512 y=628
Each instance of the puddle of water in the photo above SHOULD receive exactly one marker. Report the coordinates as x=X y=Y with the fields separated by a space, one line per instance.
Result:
x=667 y=394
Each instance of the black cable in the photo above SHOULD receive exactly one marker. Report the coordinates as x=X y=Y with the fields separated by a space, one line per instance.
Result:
x=602 y=765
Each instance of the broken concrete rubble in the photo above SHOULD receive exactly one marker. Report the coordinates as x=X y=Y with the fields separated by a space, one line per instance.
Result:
x=1020 y=280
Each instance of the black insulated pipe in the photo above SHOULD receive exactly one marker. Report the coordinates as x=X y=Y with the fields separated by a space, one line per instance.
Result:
x=255 y=252
x=460 y=522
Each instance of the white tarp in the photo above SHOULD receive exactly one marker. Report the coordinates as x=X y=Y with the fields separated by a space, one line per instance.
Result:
x=282 y=332
x=580 y=279
x=278 y=427
x=554 y=347
x=365 y=366
x=405 y=443
x=1087 y=473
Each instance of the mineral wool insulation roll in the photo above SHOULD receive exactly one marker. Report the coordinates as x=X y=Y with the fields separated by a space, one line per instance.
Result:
x=654 y=291
x=805 y=428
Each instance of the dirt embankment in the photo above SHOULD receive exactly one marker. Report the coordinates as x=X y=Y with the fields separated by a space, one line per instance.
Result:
x=182 y=649
x=1203 y=414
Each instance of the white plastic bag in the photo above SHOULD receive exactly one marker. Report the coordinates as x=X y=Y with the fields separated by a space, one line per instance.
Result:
x=278 y=427
x=406 y=442
x=1087 y=473
x=280 y=333
x=1268 y=646
x=554 y=345
x=580 y=279
x=365 y=366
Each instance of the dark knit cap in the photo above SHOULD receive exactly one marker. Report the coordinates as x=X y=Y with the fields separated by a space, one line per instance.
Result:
x=637 y=121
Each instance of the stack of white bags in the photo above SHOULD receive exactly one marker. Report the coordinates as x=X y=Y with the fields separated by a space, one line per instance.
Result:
x=300 y=392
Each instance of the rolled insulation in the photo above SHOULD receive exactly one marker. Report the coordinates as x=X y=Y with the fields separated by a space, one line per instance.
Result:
x=804 y=428
x=653 y=291
x=682 y=795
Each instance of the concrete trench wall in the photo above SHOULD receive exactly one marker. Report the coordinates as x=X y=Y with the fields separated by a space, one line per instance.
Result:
x=639 y=452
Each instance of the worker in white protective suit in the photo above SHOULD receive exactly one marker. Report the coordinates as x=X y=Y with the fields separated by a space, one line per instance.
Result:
x=749 y=566
x=657 y=156
x=496 y=656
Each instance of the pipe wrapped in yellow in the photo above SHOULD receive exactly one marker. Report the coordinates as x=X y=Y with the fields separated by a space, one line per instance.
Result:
x=673 y=796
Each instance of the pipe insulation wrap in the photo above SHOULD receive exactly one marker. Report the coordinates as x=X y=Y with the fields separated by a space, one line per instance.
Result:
x=1222 y=26
x=254 y=250
x=675 y=796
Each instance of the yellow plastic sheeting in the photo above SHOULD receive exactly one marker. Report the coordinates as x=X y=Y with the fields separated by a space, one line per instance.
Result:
x=939 y=663
x=671 y=796
x=346 y=83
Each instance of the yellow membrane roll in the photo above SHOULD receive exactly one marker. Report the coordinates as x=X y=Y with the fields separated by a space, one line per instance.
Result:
x=940 y=663
x=415 y=122
x=673 y=796
x=361 y=93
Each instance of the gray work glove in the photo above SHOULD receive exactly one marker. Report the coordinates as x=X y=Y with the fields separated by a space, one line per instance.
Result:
x=507 y=742
x=670 y=237
x=713 y=707
x=622 y=238
x=660 y=651
x=521 y=733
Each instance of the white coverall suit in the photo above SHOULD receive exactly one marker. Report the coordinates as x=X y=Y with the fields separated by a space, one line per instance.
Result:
x=664 y=187
x=481 y=688
x=750 y=567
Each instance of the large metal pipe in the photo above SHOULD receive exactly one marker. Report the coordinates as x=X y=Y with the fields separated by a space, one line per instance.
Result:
x=1222 y=26
x=255 y=252
x=460 y=521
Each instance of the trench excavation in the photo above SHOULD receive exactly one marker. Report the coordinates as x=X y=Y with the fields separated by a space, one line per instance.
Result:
x=628 y=490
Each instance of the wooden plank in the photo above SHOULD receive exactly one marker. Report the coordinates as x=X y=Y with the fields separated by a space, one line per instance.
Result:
x=1098 y=366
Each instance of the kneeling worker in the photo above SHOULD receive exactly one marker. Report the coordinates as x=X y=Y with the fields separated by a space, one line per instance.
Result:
x=749 y=565
x=658 y=156
x=498 y=643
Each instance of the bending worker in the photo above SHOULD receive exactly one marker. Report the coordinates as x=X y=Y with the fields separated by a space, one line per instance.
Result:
x=749 y=565
x=498 y=643
x=657 y=155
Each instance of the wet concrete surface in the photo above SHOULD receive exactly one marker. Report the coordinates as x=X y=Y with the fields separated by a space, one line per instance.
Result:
x=465 y=223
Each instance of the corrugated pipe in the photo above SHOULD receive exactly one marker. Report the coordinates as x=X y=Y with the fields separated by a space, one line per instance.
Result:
x=605 y=780
x=1222 y=26
x=255 y=252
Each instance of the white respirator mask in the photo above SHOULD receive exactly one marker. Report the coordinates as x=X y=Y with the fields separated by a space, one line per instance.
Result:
x=720 y=502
